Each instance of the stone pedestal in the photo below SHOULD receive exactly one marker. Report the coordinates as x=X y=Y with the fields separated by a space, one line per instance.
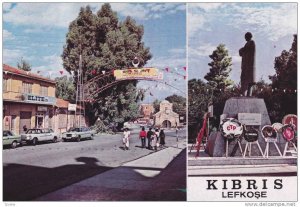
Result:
x=232 y=107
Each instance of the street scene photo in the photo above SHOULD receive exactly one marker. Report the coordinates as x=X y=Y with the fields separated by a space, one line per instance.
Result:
x=242 y=102
x=94 y=102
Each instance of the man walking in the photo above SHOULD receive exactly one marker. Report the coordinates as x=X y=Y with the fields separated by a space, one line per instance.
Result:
x=126 y=135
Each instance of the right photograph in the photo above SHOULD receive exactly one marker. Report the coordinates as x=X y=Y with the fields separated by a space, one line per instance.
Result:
x=242 y=102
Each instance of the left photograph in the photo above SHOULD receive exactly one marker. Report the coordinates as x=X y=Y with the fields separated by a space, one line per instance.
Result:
x=94 y=101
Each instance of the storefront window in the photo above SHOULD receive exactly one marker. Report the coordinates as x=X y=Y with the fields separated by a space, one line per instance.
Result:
x=44 y=91
x=26 y=87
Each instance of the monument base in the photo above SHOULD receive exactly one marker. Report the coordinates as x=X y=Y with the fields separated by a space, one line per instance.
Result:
x=234 y=106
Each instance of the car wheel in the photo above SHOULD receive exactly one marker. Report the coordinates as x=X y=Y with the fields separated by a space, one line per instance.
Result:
x=78 y=139
x=54 y=140
x=92 y=136
x=14 y=145
x=64 y=140
x=34 y=141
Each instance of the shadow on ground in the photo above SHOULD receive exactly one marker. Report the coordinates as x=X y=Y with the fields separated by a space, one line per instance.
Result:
x=25 y=182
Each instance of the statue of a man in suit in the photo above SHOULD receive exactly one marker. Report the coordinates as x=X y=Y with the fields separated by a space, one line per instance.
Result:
x=248 y=65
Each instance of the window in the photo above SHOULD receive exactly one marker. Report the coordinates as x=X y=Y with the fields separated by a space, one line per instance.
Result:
x=26 y=87
x=5 y=84
x=44 y=91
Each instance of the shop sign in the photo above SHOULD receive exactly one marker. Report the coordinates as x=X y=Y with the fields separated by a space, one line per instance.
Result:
x=42 y=108
x=72 y=107
x=30 y=98
x=250 y=119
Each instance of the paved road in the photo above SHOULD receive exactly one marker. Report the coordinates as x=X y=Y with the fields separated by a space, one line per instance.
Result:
x=32 y=171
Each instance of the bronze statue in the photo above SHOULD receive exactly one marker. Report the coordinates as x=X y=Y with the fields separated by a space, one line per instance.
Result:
x=248 y=65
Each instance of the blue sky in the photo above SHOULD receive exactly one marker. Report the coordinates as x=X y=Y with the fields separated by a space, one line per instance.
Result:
x=36 y=32
x=209 y=24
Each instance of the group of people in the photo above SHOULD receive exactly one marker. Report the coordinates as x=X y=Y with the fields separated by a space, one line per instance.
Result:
x=155 y=139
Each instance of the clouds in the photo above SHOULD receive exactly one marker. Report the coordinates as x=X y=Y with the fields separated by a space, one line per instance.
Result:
x=53 y=64
x=175 y=58
x=274 y=20
x=7 y=35
x=42 y=15
x=204 y=49
x=211 y=24
x=11 y=56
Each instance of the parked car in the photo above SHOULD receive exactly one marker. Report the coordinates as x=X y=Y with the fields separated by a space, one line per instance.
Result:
x=78 y=133
x=9 y=138
x=33 y=136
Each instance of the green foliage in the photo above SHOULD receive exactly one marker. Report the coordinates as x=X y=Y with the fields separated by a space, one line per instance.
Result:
x=24 y=65
x=106 y=44
x=200 y=96
x=179 y=104
x=156 y=104
x=220 y=68
x=285 y=65
x=65 y=88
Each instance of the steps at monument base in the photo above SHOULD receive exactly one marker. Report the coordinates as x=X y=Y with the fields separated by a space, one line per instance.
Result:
x=214 y=161
x=243 y=170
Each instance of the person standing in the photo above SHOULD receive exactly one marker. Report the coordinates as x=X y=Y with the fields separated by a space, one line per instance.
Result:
x=25 y=128
x=126 y=136
x=162 y=138
x=143 y=136
x=149 y=137
x=248 y=65
x=155 y=138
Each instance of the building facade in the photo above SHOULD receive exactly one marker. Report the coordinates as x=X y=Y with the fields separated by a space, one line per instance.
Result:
x=146 y=110
x=166 y=117
x=29 y=102
x=66 y=116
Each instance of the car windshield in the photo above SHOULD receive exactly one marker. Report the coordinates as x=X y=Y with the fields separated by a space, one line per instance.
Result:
x=73 y=130
x=33 y=131
x=8 y=133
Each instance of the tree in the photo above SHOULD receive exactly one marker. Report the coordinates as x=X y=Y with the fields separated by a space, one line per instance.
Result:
x=286 y=68
x=284 y=83
x=200 y=96
x=220 y=68
x=179 y=104
x=106 y=44
x=156 y=105
x=24 y=65
x=65 y=88
x=198 y=99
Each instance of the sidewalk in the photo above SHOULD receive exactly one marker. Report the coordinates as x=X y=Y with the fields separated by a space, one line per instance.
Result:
x=157 y=176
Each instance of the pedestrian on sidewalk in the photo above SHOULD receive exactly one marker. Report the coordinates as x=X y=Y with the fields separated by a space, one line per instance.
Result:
x=143 y=136
x=149 y=137
x=126 y=136
x=162 y=138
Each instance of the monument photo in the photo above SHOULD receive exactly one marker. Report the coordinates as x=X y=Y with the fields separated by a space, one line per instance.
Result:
x=239 y=97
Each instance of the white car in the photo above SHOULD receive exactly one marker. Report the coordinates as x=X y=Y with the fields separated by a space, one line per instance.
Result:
x=33 y=136
x=78 y=133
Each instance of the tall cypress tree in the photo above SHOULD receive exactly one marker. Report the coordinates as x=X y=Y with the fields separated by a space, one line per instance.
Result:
x=220 y=68
x=106 y=44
